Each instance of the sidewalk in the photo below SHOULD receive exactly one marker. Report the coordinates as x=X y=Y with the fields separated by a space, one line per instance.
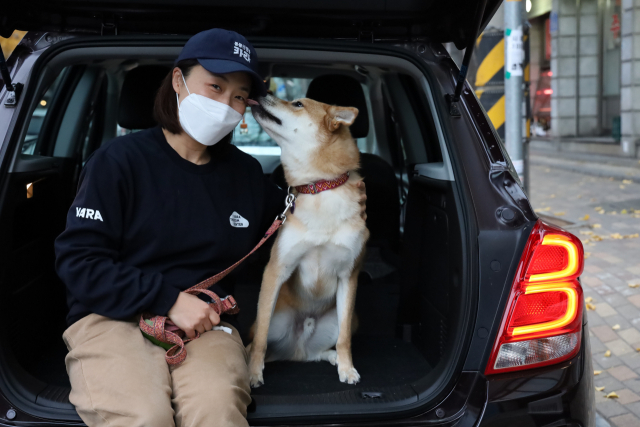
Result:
x=604 y=211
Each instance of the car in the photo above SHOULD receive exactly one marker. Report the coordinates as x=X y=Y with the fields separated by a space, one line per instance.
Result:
x=470 y=307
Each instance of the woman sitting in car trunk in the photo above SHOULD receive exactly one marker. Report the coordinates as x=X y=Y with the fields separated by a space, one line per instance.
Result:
x=156 y=212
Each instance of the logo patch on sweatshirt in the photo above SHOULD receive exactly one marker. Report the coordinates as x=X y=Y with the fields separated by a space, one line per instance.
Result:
x=89 y=213
x=238 y=220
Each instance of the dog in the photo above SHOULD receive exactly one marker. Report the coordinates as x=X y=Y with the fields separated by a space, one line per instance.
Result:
x=307 y=297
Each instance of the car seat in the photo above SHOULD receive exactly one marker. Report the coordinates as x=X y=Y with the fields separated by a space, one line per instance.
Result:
x=138 y=93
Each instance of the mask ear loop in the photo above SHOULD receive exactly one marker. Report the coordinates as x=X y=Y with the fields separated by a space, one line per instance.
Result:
x=185 y=85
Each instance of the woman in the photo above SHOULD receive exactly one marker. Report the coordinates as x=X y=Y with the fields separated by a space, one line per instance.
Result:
x=152 y=217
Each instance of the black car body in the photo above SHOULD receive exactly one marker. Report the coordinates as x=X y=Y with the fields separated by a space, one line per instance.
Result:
x=449 y=218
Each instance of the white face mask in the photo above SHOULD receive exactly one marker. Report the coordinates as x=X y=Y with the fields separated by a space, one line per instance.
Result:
x=205 y=120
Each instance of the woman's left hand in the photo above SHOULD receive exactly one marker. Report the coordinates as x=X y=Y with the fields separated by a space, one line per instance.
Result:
x=363 y=199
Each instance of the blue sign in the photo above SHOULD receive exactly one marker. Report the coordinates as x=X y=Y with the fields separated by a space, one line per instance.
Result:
x=553 y=23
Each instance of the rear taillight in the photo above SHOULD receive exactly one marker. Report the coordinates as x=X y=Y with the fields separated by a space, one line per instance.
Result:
x=542 y=322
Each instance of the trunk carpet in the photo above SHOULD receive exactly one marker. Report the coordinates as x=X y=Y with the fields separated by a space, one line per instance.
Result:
x=381 y=362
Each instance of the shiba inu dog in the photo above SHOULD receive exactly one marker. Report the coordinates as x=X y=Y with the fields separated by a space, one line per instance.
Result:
x=308 y=289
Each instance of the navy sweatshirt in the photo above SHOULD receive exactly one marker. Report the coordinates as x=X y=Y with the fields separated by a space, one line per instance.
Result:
x=146 y=224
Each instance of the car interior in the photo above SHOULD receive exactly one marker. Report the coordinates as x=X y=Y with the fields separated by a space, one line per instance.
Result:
x=412 y=283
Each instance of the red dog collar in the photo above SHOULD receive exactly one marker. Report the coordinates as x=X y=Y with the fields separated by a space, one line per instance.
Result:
x=322 y=185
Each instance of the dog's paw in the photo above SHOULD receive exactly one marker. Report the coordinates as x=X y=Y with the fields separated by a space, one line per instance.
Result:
x=256 y=380
x=350 y=376
x=255 y=372
x=331 y=356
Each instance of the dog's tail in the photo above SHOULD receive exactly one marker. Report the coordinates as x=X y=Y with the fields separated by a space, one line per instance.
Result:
x=308 y=326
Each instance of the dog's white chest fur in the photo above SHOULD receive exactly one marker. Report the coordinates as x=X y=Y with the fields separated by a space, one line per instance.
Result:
x=322 y=239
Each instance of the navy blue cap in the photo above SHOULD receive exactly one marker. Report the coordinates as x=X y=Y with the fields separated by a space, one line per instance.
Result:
x=221 y=51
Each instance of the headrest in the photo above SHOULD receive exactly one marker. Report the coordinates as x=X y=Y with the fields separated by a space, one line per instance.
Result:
x=135 y=109
x=343 y=91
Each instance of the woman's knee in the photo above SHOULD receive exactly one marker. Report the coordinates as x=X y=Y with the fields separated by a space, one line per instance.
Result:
x=117 y=377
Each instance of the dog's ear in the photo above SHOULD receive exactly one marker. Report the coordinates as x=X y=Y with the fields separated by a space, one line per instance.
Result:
x=341 y=116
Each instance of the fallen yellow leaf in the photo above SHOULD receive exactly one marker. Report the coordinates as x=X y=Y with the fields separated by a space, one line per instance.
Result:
x=622 y=187
x=626 y=181
x=597 y=372
x=596 y=238
x=634 y=285
x=596 y=226
x=588 y=254
x=547 y=209
x=632 y=236
x=623 y=211
x=586 y=232
x=588 y=299
x=561 y=213
x=615 y=327
x=584 y=218
x=613 y=213
x=591 y=307
x=607 y=353
x=616 y=236
x=600 y=388
x=612 y=395
x=598 y=208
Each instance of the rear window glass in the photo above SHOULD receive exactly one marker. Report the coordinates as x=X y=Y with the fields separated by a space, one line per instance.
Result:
x=38 y=117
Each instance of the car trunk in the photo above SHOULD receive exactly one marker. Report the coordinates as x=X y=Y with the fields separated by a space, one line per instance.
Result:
x=415 y=290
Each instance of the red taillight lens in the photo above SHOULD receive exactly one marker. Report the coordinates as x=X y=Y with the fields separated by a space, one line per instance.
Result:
x=541 y=307
x=548 y=259
x=542 y=323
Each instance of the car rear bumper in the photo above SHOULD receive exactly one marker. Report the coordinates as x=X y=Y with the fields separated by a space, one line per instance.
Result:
x=560 y=395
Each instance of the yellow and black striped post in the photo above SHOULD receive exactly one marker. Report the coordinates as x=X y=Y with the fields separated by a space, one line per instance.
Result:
x=490 y=76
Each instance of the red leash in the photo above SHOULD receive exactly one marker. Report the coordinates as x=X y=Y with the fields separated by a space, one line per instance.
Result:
x=165 y=331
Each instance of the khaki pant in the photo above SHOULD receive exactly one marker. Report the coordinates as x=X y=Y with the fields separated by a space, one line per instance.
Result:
x=119 y=378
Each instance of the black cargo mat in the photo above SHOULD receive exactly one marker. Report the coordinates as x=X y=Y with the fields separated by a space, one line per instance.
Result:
x=381 y=362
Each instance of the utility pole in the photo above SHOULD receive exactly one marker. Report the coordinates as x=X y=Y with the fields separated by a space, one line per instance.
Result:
x=513 y=87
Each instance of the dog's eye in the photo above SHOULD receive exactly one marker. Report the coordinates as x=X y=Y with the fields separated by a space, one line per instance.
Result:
x=297 y=104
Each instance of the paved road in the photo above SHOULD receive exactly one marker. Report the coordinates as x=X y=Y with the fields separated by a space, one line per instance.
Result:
x=612 y=269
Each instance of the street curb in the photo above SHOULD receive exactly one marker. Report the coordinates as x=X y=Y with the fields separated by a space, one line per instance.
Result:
x=595 y=169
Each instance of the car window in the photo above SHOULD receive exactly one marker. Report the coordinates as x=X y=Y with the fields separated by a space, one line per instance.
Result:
x=38 y=116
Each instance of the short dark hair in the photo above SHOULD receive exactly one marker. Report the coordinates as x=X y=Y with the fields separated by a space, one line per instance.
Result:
x=165 y=107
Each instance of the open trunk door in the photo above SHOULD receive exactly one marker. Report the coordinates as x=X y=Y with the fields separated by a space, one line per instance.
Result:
x=439 y=20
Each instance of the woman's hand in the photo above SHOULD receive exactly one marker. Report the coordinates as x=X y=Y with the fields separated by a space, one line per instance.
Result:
x=363 y=199
x=191 y=314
